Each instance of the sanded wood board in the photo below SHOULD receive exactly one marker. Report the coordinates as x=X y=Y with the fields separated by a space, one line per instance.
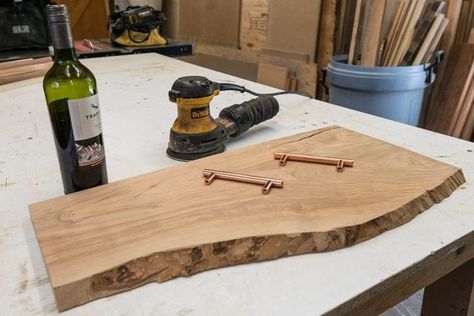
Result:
x=166 y=224
x=21 y=70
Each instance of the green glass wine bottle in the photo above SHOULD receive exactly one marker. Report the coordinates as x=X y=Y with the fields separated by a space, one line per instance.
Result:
x=71 y=94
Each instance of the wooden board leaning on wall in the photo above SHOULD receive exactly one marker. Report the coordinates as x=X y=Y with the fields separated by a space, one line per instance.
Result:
x=306 y=74
x=253 y=24
x=13 y=71
x=452 y=99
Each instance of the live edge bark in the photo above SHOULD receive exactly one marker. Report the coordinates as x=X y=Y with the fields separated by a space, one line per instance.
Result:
x=163 y=266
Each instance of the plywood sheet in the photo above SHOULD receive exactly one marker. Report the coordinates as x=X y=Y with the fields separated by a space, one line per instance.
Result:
x=293 y=29
x=253 y=24
x=166 y=224
x=273 y=76
x=211 y=21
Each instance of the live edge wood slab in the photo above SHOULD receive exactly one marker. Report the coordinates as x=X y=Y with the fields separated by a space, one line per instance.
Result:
x=168 y=223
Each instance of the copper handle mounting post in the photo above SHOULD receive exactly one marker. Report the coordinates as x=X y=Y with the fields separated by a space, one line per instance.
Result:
x=210 y=175
x=340 y=163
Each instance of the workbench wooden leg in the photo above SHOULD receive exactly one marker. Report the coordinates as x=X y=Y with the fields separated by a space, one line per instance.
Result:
x=450 y=295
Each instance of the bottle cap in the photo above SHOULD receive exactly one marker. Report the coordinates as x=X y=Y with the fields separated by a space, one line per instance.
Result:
x=59 y=26
x=57 y=13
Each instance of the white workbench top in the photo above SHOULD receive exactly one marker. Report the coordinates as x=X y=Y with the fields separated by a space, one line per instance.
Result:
x=136 y=117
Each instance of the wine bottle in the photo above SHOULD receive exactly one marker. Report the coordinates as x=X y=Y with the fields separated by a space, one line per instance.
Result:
x=71 y=95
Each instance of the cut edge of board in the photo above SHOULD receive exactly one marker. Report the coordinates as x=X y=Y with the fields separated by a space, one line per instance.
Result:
x=164 y=266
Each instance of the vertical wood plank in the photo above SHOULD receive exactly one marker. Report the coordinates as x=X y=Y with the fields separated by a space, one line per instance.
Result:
x=433 y=30
x=325 y=48
x=450 y=90
x=371 y=38
x=462 y=98
x=355 y=29
x=450 y=295
x=452 y=13
x=409 y=31
x=347 y=26
x=465 y=107
x=397 y=14
x=425 y=31
x=434 y=44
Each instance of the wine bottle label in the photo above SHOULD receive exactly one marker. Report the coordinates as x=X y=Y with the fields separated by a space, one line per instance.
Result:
x=87 y=130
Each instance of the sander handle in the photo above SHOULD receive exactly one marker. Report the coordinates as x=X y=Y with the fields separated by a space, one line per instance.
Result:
x=250 y=113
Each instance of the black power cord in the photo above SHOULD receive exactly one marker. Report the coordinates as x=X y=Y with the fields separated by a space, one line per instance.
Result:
x=242 y=89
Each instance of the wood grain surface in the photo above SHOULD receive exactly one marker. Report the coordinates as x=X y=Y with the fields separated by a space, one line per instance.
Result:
x=417 y=8
x=452 y=13
x=355 y=31
x=22 y=70
x=450 y=92
x=425 y=32
x=468 y=128
x=166 y=224
x=293 y=29
x=433 y=31
x=398 y=32
x=325 y=45
x=372 y=34
x=462 y=121
x=430 y=52
x=394 y=25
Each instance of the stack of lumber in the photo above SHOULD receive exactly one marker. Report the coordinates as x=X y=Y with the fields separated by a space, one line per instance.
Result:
x=466 y=22
x=13 y=71
x=451 y=110
x=415 y=29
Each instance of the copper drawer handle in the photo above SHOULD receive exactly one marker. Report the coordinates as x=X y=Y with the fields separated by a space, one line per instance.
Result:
x=268 y=183
x=340 y=163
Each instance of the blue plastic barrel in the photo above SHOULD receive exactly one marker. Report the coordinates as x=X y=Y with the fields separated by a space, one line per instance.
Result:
x=395 y=93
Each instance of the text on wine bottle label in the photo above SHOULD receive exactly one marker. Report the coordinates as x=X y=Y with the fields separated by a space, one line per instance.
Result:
x=85 y=117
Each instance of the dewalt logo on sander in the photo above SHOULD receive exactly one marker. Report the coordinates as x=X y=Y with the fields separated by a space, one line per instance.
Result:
x=200 y=112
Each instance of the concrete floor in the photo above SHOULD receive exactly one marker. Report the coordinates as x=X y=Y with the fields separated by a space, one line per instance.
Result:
x=409 y=307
